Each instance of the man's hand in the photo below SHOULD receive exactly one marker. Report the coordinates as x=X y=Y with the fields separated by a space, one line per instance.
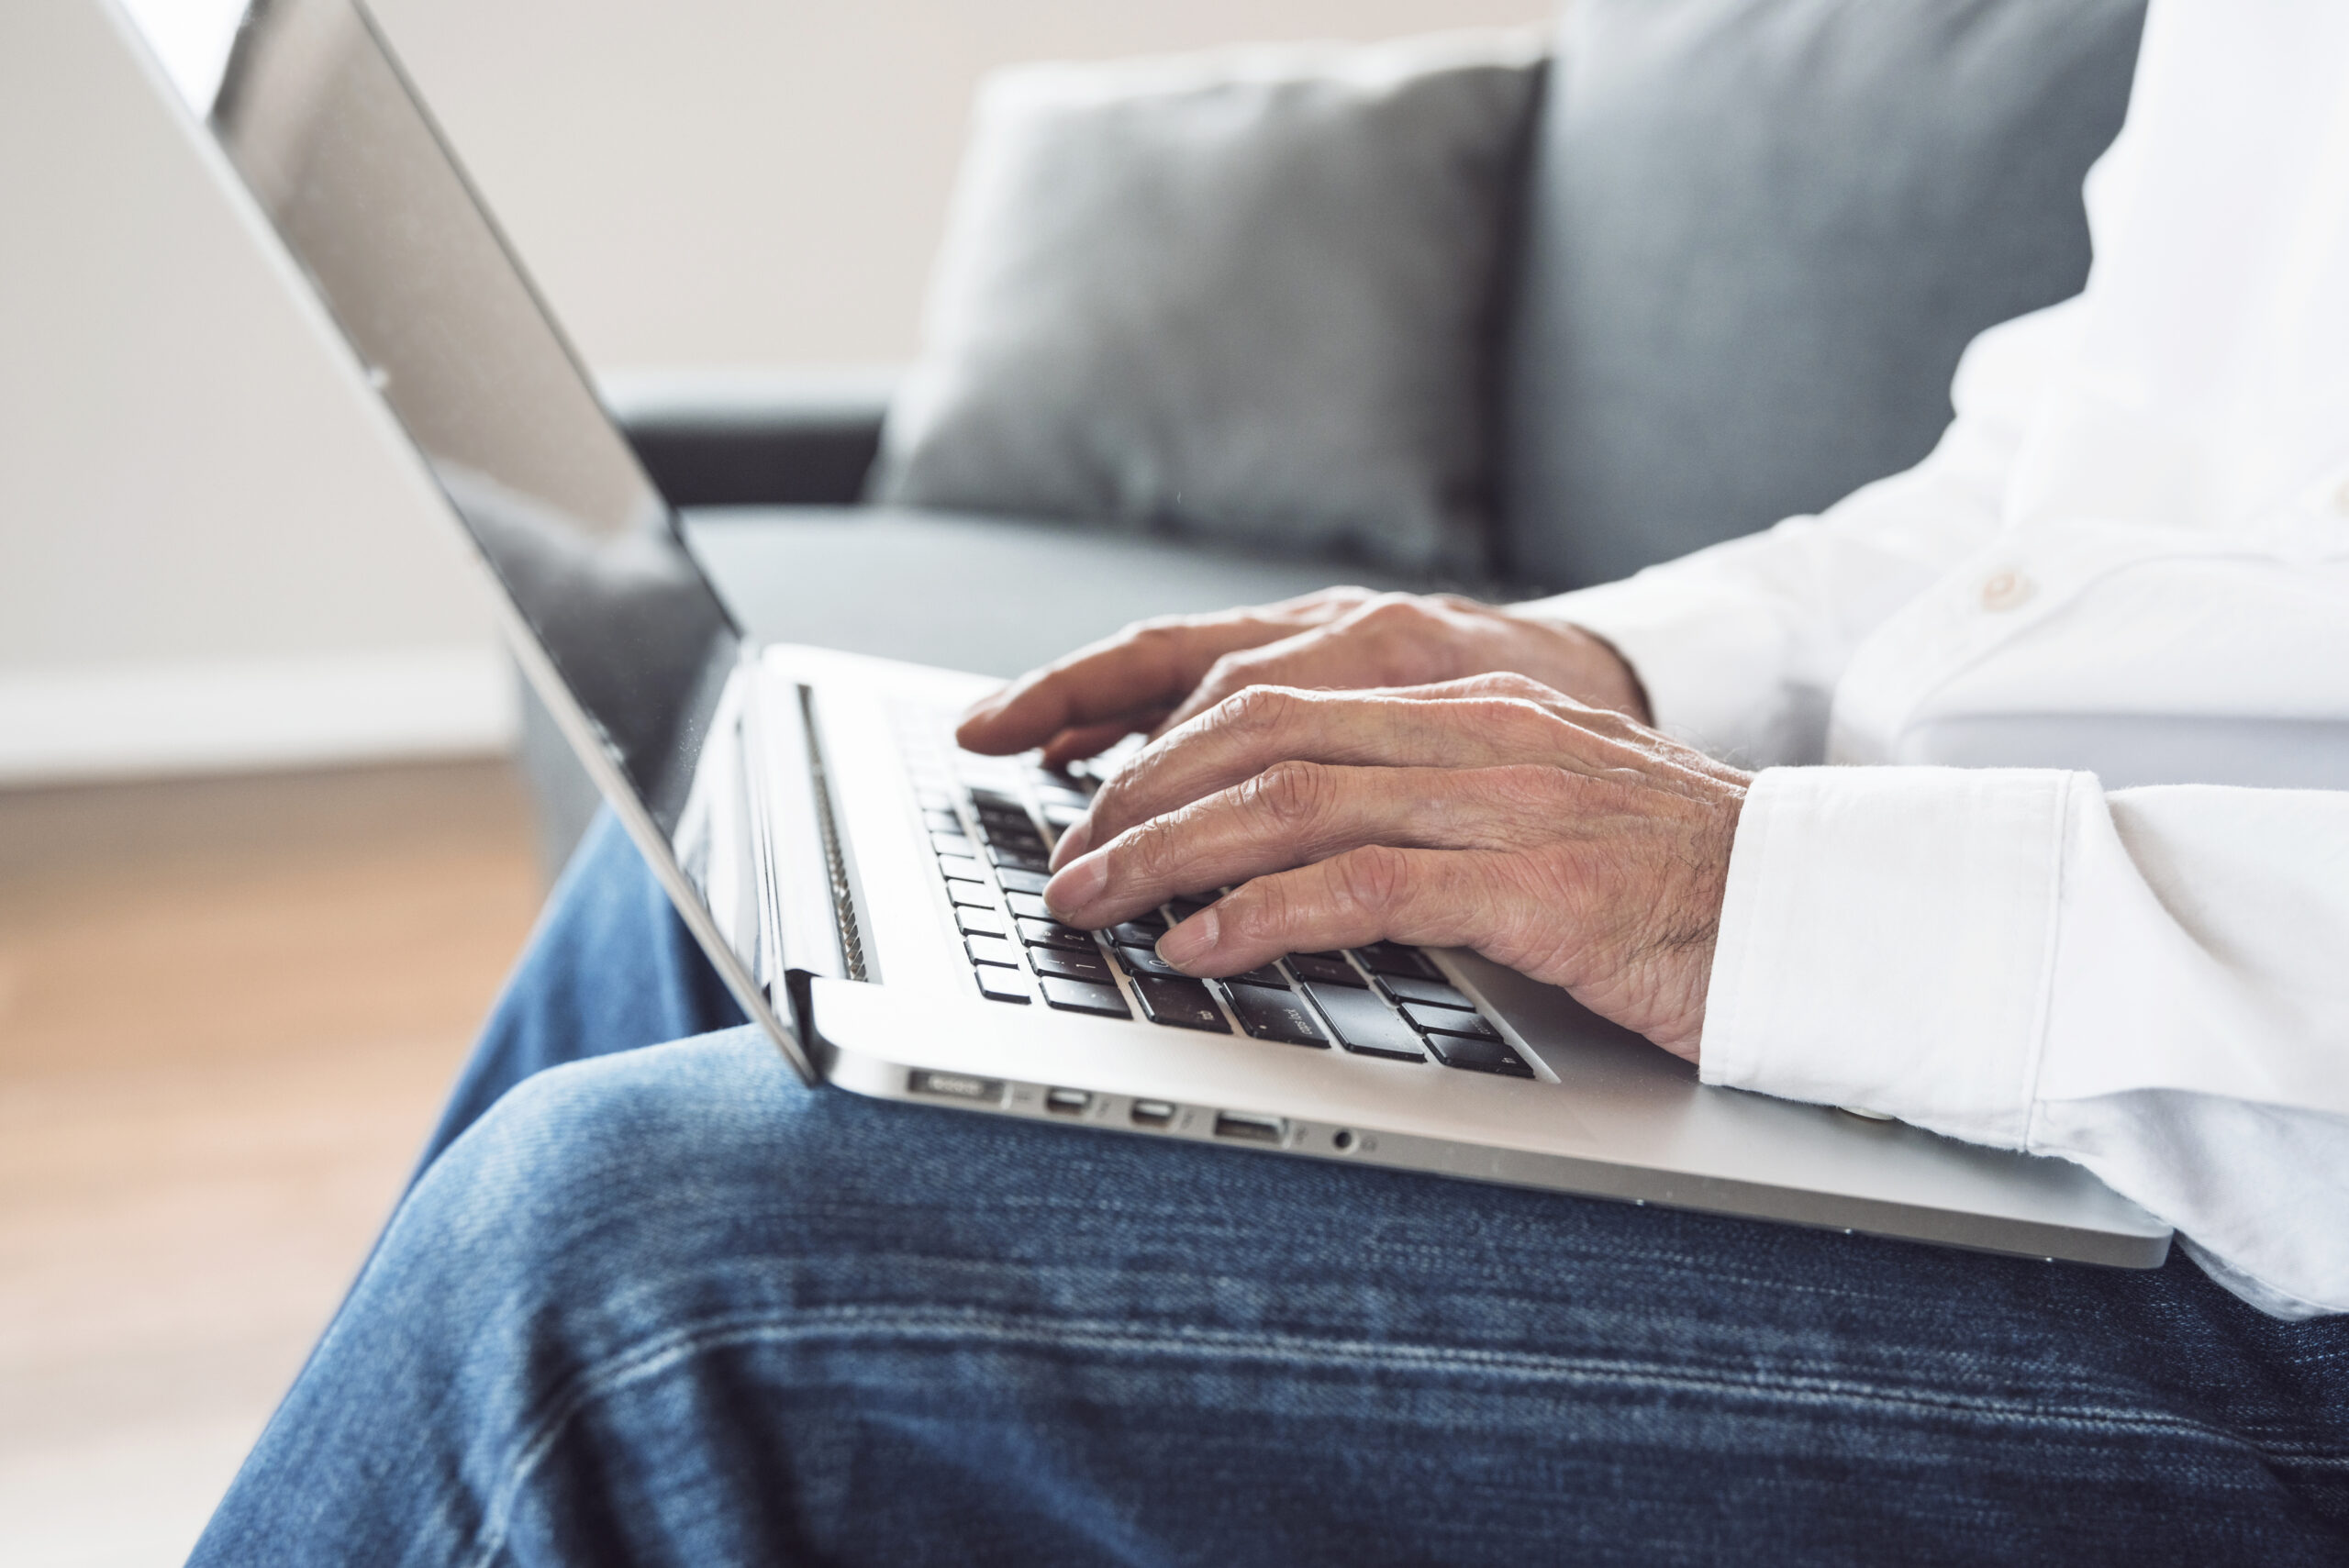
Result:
x=1158 y=674
x=1561 y=839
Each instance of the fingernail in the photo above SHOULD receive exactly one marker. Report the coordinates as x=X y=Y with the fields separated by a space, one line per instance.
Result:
x=1071 y=843
x=1076 y=886
x=1190 y=941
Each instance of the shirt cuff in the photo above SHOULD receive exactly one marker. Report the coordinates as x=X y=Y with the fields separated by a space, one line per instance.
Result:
x=1887 y=942
x=1707 y=655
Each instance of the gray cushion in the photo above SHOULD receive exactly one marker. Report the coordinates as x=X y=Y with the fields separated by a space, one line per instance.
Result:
x=1246 y=297
x=1762 y=231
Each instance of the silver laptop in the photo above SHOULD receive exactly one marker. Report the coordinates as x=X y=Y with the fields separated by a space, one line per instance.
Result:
x=869 y=892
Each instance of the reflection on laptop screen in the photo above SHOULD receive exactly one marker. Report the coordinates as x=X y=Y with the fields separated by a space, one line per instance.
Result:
x=308 y=106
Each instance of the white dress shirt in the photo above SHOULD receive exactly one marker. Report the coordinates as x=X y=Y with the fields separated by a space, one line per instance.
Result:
x=2116 y=594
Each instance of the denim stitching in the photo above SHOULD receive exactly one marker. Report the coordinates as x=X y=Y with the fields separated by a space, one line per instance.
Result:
x=653 y=1357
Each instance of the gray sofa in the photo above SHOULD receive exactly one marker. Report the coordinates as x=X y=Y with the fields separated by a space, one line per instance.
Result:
x=1754 y=237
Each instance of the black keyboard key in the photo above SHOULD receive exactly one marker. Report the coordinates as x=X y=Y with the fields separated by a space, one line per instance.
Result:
x=1021 y=881
x=1084 y=997
x=1323 y=970
x=992 y=950
x=1366 y=1025
x=1028 y=907
x=1072 y=966
x=1145 y=961
x=1186 y=907
x=1018 y=860
x=1004 y=985
x=1275 y=1015
x=1267 y=975
x=980 y=923
x=973 y=895
x=1182 y=1004
x=963 y=867
x=1447 y=1020
x=1142 y=930
x=1006 y=836
x=986 y=797
x=1478 y=1055
x=1052 y=934
x=1432 y=993
x=1393 y=958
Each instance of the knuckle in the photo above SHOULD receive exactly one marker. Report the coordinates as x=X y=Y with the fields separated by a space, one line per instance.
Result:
x=1372 y=878
x=1158 y=631
x=1254 y=709
x=1152 y=850
x=1263 y=912
x=1509 y=716
x=1393 y=611
x=1227 y=673
x=1295 y=796
x=1524 y=688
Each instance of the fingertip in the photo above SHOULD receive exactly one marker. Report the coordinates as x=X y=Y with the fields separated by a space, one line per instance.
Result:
x=1074 y=841
x=972 y=732
x=1073 y=888
x=1192 y=941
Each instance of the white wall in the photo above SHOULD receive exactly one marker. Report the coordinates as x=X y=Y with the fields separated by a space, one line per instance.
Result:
x=213 y=553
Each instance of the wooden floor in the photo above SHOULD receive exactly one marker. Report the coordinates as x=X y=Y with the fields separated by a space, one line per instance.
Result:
x=228 y=1009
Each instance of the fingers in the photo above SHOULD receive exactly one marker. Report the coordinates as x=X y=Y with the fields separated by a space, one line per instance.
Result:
x=1143 y=671
x=1387 y=640
x=1295 y=813
x=1482 y=721
x=1377 y=893
x=1144 y=668
x=1092 y=740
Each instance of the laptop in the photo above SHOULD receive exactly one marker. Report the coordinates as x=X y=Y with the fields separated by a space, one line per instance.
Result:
x=868 y=892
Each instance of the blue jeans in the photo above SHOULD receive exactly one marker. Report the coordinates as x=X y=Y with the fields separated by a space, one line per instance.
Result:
x=666 y=1306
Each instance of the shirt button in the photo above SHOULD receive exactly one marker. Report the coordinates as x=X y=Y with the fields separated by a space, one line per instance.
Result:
x=2007 y=590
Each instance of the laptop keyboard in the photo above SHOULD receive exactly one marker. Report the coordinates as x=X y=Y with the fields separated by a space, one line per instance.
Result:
x=990 y=821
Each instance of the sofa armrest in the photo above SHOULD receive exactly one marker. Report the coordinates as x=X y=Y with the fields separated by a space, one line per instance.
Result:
x=722 y=436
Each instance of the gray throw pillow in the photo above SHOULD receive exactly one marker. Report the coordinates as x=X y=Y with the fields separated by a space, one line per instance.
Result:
x=1248 y=295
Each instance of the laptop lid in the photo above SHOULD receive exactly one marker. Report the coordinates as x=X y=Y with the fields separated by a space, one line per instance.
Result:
x=610 y=615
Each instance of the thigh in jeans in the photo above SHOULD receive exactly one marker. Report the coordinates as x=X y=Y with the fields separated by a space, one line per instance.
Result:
x=669 y=1307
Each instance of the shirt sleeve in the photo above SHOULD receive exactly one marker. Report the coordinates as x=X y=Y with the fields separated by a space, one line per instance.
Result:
x=1740 y=647
x=2148 y=982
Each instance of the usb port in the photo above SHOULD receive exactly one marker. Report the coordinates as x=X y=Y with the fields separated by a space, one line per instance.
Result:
x=1152 y=1113
x=1068 y=1102
x=1249 y=1128
x=956 y=1086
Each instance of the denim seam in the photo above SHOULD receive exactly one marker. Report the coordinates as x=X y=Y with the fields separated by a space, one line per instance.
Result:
x=653 y=1357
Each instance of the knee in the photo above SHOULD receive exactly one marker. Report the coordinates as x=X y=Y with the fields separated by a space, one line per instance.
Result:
x=592 y=1156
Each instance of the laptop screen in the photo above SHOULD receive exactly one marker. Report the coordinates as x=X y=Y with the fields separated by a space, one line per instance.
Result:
x=310 y=108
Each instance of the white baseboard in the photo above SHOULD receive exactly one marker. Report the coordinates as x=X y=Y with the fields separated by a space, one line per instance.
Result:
x=123 y=722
